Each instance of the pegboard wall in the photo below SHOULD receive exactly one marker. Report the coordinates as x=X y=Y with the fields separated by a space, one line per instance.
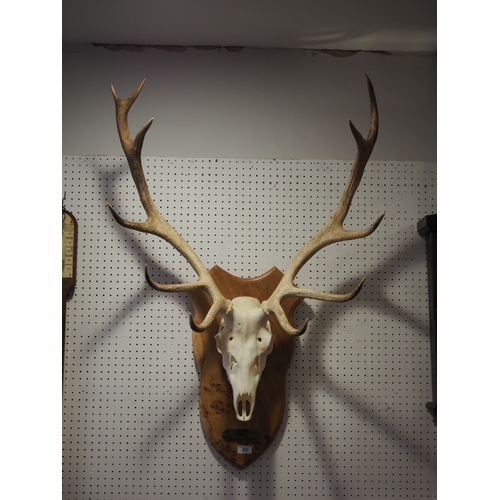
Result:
x=355 y=425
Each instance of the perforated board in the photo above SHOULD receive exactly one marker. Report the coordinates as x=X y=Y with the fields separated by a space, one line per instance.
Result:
x=355 y=426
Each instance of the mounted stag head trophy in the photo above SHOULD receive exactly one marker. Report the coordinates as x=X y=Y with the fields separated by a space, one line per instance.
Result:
x=246 y=320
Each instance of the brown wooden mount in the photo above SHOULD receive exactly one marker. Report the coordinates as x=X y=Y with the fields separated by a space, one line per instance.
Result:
x=69 y=250
x=241 y=443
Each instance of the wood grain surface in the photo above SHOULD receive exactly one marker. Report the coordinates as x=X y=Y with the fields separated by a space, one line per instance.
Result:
x=216 y=400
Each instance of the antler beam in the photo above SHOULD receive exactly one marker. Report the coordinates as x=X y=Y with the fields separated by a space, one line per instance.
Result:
x=155 y=223
x=332 y=232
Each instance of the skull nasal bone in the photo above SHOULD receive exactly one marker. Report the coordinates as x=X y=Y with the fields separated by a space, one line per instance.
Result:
x=244 y=408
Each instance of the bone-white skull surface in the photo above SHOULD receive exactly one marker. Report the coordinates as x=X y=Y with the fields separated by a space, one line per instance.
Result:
x=244 y=340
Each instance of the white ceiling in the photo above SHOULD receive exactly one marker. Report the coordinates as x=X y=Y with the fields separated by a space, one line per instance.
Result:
x=384 y=25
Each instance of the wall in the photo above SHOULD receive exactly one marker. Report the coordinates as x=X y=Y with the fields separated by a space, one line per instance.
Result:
x=250 y=104
x=355 y=425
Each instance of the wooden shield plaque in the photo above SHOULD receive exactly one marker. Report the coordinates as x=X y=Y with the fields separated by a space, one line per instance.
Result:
x=241 y=442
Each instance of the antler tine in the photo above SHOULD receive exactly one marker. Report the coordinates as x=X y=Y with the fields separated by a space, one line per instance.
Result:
x=155 y=223
x=332 y=232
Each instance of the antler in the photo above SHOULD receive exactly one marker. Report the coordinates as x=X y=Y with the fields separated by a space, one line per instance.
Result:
x=332 y=232
x=155 y=223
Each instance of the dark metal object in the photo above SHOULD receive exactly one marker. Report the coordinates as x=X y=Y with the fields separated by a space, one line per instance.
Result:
x=427 y=228
x=240 y=435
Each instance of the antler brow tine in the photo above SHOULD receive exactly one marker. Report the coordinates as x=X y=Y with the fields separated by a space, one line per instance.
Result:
x=332 y=232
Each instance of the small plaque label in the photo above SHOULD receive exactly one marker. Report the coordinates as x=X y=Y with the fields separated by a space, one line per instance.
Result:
x=240 y=435
x=244 y=449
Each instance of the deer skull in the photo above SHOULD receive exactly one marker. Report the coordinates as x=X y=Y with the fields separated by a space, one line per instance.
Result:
x=244 y=340
x=245 y=337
